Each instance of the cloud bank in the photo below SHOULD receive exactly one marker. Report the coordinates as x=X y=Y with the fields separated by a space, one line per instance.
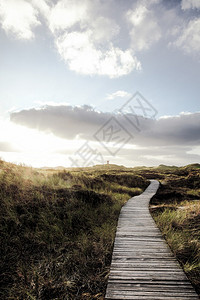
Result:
x=82 y=122
x=170 y=140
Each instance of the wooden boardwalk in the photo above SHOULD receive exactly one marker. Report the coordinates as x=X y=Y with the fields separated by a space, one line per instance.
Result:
x=143 y=266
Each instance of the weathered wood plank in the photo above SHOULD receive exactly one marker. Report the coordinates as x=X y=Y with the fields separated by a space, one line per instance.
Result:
x=149 y=287
x=143 y=266
x=138 y=282
x=153 y=293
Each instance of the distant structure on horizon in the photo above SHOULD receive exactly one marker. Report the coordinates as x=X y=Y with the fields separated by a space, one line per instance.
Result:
x=107 y=162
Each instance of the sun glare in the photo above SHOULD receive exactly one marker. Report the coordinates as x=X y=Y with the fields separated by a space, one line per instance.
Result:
x=32 y=147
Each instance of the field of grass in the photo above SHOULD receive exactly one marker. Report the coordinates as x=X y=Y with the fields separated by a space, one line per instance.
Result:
x=176 y=211
x=57 y=229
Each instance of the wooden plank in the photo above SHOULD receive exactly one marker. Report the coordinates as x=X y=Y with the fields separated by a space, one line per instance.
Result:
x=153 y=293
x=152 y=282
x=143 y=266
x=149 y=287
x=149 y=297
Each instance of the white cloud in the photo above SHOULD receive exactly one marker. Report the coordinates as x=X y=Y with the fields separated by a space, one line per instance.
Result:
x=85 y=15
x=190 y=4
x=145 y=30
x=83 y=38
x=43 y=6
x=83 y=35
x=138 y=15
x=18 y=18
x=87 y=37
x=189 y=37
x=83 y=56
x=104 y=29
x=67 y=13
x=121 y=94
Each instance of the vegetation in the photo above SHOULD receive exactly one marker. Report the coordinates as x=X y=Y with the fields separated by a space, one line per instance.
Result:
x=176 y=210
x=57 y=229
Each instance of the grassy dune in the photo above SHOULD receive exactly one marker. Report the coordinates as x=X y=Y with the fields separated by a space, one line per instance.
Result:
x=57 y=229
x=176 y=210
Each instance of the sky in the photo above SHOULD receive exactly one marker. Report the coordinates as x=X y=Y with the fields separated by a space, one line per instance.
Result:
x=83 y=82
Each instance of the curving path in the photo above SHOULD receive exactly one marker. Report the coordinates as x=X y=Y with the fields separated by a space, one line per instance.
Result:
x=143 y=266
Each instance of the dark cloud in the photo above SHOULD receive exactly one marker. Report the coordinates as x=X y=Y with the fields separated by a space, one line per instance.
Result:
x=175 y=130
x=71 y=122
x=63 y=121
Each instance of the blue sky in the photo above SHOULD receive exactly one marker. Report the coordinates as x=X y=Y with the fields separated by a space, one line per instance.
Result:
x=98 y=53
